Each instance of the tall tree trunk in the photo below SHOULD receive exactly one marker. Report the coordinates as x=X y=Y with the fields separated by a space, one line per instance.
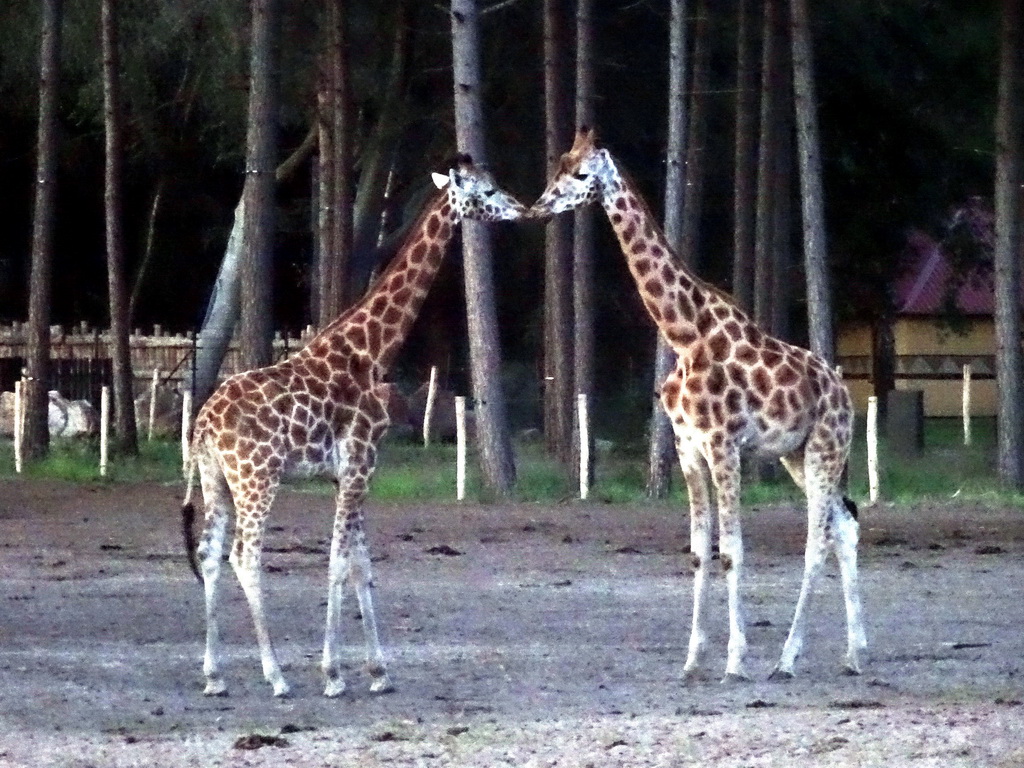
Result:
x=37 y=430
x=819 y=297
x=767 y=154
x=583 y=239
x=124 y=390
x=1008 y=198
x=327 y=200
x=493 y=437
x=745 y=159
x=342 y=130
x=660 y=449
x=334 y=193
x=696 y=152
x=558 y=283
x=256 y=336
x=782 y=219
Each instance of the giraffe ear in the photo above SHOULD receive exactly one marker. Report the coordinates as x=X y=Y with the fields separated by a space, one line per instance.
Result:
x=439 y=179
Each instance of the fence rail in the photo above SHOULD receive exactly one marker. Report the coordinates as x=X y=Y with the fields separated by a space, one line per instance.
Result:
x=82 y=354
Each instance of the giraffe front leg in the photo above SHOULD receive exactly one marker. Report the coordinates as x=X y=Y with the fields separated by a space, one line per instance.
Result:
x=726 y=476
x=350 y=562
x=694 y=472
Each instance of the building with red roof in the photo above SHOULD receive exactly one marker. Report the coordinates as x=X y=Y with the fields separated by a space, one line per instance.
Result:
x=943 y=321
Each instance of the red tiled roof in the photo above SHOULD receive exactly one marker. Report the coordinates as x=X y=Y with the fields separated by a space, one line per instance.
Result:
x=924 y=287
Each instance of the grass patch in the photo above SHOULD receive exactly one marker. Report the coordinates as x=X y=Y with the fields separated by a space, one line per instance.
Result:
x=408 y=472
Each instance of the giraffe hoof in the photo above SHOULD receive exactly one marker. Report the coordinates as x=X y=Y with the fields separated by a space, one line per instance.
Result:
x=851 y=671
x=381 y=685
x=694 y=676
x=735 y=678
x=334 y=688
x=282 y=691
x=215 y=687
x=781 y=674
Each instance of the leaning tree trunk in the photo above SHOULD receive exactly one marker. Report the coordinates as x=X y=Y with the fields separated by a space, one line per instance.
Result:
x=124 y=394
x=222 y=312
x=257 y=327
x=812 y=194
x=660 y=448
x=558 y=278
x=37 y=431
x=484 y=351
x=1009 y=178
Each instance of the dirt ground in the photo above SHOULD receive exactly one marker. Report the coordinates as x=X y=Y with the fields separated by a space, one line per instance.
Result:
x=520 y=635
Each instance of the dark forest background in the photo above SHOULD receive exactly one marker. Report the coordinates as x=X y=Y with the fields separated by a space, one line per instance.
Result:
x=907 y=96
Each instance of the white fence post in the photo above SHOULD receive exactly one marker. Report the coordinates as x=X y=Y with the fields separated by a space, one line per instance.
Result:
x=967 y=404
x=428 y=409
x=186 y=423
x=152 y=401
x=19 y=424
x=872 y=435
x=584 y=419
x=104 y=429
x=460 y=455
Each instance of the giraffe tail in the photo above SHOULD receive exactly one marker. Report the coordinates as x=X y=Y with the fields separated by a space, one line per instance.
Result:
x=188 y=513
x=188 y=516
x=850 y=506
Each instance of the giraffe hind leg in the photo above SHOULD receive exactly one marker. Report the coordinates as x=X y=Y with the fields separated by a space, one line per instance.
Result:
x=210 y=550
x=245 y=561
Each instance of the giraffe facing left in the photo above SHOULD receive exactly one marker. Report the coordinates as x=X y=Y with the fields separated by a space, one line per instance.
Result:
x=322 y=411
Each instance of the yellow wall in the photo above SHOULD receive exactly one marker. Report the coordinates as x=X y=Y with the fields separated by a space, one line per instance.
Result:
x=924 y=336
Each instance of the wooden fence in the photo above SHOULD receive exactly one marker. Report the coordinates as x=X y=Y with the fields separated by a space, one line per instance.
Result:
x=81 y=358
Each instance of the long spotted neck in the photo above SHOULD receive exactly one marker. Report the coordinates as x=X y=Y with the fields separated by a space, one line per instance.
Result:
x=378 y=324
x=681 y=304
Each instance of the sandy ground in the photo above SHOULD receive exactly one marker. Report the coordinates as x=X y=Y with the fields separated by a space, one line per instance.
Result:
x=546 y=636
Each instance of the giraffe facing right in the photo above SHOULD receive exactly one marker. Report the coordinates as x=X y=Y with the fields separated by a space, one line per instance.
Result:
x=734 y=389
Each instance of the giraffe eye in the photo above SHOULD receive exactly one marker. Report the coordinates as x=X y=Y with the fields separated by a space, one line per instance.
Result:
x=489 y=192
x=581 y=176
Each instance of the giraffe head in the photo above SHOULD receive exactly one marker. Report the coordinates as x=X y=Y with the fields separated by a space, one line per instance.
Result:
x=474 y=194
x=582 y=176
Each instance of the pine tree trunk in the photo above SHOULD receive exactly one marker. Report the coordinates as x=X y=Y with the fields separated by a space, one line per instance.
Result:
x=693 y=200
x=1008 y=199
x=124 y=394
x=342 y=130
x=326 y=201
x=819 y=298
x=660 y=454
x=782 y=220
x=493 y=437
x=256 y=333
x=558 y=285
x=745 y=159
x=37 y=431
x=766 y=156
x=583 y=242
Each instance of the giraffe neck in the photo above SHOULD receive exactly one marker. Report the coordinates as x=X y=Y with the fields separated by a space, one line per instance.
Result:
x=377 y=325
x=682 y=305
